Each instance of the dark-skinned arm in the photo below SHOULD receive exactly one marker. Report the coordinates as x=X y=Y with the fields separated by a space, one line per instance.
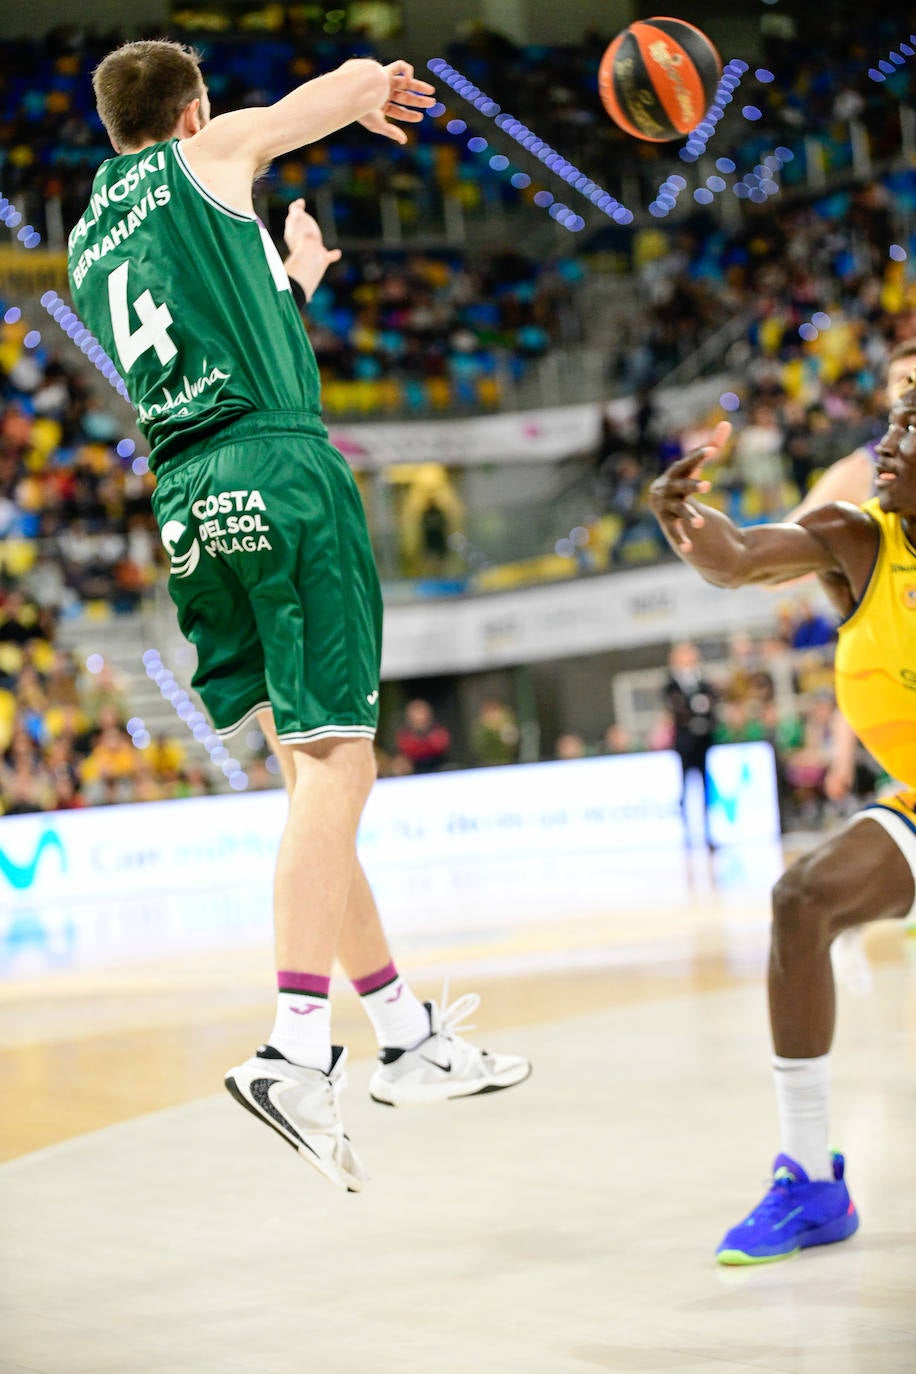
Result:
x=836 y=541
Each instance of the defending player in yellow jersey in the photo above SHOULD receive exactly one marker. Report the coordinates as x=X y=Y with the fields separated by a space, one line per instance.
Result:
x=876 y=661
x=865 y=558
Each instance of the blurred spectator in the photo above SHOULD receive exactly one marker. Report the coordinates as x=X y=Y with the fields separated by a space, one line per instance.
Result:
x=434 y=533
x=811 y=629
x=422 y=739
x=570 y=746
x=807 y=766
x=692 y=701
x=757 y=458
x=494 y=734
x=617 y=740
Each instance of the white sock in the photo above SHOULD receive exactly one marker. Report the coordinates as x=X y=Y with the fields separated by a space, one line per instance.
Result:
x=399 y=1018
x=302 y=1029
x=803 y=1101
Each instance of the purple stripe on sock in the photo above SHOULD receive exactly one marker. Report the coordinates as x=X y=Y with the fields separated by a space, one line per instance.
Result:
x=313 y=983
x=373 y=981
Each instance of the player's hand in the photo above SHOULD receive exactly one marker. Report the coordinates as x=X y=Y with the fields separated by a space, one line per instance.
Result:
x=838 y=782
x=408 y=98
x=669 y=495
x=308 y=258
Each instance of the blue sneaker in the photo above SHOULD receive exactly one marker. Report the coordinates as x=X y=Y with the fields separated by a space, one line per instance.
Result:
x=794 y=1214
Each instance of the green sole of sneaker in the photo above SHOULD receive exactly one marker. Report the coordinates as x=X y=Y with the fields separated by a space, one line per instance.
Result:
x=739 y=1257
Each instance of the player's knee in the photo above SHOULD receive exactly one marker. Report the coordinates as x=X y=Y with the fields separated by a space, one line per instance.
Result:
x=346 y=765
x=354 y=762
x=803 y=902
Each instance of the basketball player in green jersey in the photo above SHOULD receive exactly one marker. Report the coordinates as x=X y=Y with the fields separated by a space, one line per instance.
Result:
x=271 y=569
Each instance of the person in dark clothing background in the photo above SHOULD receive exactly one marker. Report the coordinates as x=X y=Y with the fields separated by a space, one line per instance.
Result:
x=692 y=702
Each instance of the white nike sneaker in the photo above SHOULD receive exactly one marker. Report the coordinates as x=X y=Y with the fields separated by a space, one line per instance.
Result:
x=301 y=1105
x=443 y=1065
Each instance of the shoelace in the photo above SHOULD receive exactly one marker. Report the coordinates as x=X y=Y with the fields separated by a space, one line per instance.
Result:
x=775 y=1196
x=452 y=1018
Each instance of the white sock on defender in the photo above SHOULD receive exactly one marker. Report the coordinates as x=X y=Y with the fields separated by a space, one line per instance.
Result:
x=803 y=1102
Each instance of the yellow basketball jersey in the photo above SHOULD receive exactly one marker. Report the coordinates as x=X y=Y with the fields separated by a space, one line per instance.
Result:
x=876 y=654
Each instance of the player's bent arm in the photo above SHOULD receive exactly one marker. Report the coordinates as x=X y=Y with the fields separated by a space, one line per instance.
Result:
x=849 y=479
x=309 y=113
x=728 y=556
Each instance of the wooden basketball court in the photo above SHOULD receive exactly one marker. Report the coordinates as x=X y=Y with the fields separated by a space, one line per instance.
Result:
x=567 y=1225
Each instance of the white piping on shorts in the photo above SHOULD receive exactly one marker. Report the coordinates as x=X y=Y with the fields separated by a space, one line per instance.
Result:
x=328 y=732
x=228 y=730
x=900 y=832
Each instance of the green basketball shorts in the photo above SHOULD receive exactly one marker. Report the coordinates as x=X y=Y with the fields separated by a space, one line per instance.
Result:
x=274 y=579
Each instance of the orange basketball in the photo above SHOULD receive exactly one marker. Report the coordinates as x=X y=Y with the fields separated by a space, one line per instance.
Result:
x=658 y=78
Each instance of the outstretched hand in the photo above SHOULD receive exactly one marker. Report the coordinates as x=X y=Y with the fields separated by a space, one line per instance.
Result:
x=669 y=494
x=408 y=98
x=308 y=258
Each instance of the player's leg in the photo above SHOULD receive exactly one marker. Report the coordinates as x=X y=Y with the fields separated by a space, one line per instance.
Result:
x=293 y=1081
x=863 y=874
x=398 y=1016
x=421 y=1057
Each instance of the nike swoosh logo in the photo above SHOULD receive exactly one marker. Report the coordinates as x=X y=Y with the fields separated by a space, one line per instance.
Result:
x=396 y=995
x=262 y=1090
x=22 y=876
x=372 y=698
x=785 y=1221
x=304 y=1011
x=446 y=1068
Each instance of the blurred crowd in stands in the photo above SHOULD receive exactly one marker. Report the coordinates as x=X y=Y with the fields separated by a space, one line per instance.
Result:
x=393 y=330
x=63 y=737
x=434 y=331
x=75 y=519
x=55 y=142
x=800 y=401
x=422 y=329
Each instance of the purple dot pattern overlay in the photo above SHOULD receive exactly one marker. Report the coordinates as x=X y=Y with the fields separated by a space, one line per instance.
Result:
x=195 y=720
x=760 y=183
x=554 y=162
x=10 y=216
x=695 y=146
x=897 y=253
x=666 y=197
x=87 y=343
x=729 y=400
x=560 y=213
x=896 y=58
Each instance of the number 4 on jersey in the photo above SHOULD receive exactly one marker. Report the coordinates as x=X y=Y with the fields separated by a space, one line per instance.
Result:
x=154 y=322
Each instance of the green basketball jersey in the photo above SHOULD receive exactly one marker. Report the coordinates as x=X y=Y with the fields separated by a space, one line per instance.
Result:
x=189 y=299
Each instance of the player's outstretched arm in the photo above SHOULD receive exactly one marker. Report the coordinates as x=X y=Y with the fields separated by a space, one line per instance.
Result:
x=360 y=90
x=722 y=553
